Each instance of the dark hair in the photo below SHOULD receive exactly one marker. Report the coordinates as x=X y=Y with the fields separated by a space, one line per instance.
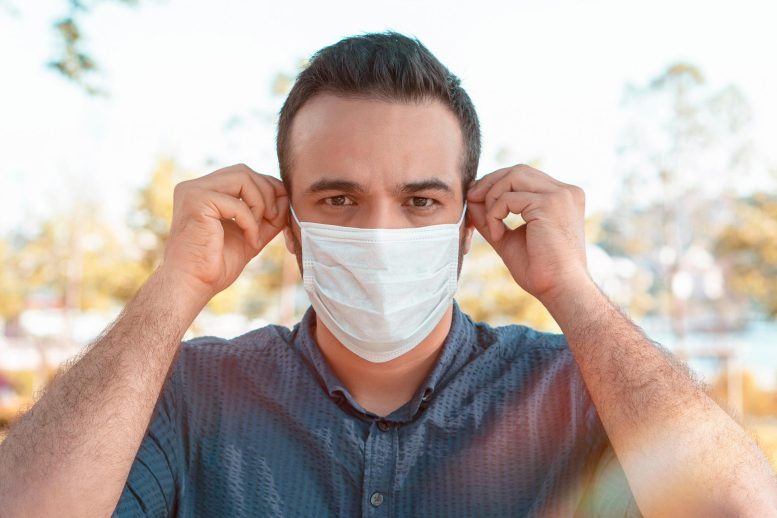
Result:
x=387 y=66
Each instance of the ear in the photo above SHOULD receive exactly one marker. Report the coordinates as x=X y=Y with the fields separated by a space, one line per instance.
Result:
x=469 y=228
x=288 y=238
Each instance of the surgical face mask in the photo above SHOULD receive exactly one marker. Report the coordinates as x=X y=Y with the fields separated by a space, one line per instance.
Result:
x=380 y=291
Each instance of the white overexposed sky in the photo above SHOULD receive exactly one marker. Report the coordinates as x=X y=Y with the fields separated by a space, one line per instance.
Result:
x=546 y=77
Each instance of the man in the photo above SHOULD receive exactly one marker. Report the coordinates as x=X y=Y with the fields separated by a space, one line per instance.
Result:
x=386 y=399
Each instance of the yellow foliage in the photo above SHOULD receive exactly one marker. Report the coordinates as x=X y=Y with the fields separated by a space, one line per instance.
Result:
x=748 y=249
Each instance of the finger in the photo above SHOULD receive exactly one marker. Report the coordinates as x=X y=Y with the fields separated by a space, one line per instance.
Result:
x=269 y=229
x=517 y=178
x=507 y=203
x=481 y=186
x=521 y=181
x=279 y=189
x=268 y=194
x=238 y=182
x=277 y=185
x=476 y=214
x=271 y=189
x=228 y=207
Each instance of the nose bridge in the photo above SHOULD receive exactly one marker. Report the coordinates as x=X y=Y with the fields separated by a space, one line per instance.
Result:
x=383 y=212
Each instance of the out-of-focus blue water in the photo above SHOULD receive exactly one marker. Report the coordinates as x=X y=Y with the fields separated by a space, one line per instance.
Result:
x=754 y=349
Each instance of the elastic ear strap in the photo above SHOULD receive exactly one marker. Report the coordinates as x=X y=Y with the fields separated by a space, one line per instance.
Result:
x=463 y=212
x=294 y=215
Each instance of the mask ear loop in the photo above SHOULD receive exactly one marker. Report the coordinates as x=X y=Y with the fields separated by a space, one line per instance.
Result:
x=463 y=213
x=294 y=215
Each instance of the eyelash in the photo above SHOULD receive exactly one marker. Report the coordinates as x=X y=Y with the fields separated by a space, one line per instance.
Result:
x=327 y=201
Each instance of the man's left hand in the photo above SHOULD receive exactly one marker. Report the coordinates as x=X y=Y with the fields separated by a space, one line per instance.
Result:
x=546 y=254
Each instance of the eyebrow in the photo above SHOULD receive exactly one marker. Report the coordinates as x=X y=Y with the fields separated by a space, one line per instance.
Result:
x=336 y=184
x=349 y=186
x=433 y=184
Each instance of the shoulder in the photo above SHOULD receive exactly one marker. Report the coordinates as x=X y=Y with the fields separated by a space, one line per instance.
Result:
x=268 y=339
x=543 y=370
x=215 y=360
x=514 y=341
x=540 y=356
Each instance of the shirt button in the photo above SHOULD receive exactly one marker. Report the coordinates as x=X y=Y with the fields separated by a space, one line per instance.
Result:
x=384 y=425
x=376 y=499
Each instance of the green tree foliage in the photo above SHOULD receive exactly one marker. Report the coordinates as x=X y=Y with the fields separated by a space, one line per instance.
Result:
x=748 y=249
x=73 y=60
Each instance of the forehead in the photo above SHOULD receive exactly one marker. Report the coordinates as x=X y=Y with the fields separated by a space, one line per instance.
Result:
x=375 y=142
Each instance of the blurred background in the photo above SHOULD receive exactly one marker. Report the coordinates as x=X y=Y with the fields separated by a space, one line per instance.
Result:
x=664 y=112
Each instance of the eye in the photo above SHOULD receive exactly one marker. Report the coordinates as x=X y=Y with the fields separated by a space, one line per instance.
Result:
x=338 y=201
x=420 y=202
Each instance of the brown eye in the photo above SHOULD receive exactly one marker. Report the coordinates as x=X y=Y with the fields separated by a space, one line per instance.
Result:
x=338 y=200
x=422 y=202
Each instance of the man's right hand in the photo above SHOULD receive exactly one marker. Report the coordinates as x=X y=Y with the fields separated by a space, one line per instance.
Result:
x=220 y=222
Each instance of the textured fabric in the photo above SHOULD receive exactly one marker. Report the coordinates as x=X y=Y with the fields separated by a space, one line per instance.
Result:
x=259 y=425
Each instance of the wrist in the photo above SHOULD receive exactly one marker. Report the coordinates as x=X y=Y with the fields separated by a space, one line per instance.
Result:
x=190 y=296
x=576 y=301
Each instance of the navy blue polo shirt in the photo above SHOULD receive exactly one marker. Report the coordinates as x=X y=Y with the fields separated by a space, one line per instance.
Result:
x=260 y=425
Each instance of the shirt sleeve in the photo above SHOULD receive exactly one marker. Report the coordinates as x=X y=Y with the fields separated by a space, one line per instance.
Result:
x=608 y=493
x=154 y=479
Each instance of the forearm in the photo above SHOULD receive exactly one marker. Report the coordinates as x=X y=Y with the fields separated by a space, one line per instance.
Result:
x=71 y=453
x=680 y=451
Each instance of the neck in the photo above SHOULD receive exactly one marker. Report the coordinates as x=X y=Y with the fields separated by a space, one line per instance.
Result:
x=381 y=388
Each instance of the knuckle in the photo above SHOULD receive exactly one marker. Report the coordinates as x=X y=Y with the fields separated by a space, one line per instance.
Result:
x=560 y=198
x=577 y=193
x=180 y=187
x=247 y=179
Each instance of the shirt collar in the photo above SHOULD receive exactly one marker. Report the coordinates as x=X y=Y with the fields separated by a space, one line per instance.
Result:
x=458 y=348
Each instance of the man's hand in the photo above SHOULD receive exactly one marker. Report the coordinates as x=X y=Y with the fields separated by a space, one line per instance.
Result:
x=546 y=254
x=220 y=222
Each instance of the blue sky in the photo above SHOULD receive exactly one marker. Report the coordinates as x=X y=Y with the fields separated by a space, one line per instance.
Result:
x=546 y=77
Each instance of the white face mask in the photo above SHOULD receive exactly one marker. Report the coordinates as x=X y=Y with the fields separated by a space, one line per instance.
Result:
x=380 y=291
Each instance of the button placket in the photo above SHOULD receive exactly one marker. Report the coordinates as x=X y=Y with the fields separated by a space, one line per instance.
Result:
x=379 y=468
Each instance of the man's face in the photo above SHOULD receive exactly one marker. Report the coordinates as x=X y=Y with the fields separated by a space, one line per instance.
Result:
x=375 y=164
